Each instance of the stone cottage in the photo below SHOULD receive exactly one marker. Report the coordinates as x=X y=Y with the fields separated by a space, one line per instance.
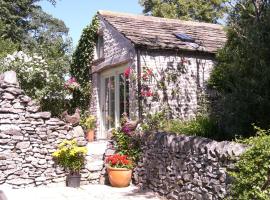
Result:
x=147 y=64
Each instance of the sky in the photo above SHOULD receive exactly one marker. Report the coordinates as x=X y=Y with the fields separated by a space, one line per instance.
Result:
x=77 y=14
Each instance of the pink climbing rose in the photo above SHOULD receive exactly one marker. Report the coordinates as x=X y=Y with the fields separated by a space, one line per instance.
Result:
x=146 y=93
x=127 y=72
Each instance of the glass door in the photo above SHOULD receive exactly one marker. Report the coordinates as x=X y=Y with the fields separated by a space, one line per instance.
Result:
x=114 y=95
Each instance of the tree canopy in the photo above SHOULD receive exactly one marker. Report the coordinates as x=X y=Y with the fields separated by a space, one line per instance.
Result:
x=242 y=76
x=24 y=26
x=199 y=10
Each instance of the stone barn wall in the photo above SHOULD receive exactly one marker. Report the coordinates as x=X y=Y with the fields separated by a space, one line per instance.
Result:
x=186 y=168
x=178 y=82
x=28 y=138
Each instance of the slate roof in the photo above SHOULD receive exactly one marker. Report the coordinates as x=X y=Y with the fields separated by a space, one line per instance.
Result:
x=158 y=33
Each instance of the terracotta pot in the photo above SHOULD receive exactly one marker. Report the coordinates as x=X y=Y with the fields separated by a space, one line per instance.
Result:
x=90 y=135
x=73 y=180
x=119 y=177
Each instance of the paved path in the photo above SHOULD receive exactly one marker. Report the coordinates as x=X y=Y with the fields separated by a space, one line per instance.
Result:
x=88 y=192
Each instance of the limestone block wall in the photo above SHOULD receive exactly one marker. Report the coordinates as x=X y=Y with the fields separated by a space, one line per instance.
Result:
x=27 y=139
x=115 y=44
x=186 y=168
x=179 y=82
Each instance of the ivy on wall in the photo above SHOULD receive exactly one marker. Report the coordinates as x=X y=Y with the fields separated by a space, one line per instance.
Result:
x=81 y=62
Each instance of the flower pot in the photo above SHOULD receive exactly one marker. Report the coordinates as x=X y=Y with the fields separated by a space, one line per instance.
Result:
x=119 y=177
x=90 y=135
x=73 y=180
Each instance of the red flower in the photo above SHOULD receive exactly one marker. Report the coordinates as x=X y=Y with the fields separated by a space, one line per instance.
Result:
x=119 y=161
x=127 y=72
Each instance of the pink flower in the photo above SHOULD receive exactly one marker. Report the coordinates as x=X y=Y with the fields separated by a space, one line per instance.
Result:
x=72 y=84
x=146 y=92
x=127 y=72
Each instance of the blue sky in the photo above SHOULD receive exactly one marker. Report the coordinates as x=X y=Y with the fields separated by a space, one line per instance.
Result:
x=78 y=13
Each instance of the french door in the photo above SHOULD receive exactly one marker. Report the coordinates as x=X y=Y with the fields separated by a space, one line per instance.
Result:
x=114 y=99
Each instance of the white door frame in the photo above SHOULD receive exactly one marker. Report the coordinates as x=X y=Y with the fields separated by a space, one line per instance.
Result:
x=106 y=74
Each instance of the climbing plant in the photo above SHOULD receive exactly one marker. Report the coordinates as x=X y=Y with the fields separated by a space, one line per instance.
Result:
x=81 y=62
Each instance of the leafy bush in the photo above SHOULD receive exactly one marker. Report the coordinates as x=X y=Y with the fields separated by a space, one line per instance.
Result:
x=242 y=75
x=252 y=173
x=200 y=126
x=154 y=122
x=38 y=79
x=127 y=144
x=70 y=156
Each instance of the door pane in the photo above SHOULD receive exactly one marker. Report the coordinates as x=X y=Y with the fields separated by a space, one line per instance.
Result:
x=124 y=95
x=109 y=102
x=112 y=102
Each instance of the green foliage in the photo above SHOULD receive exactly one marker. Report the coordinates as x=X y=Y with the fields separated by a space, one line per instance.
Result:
x=199 y=10
x=18 y=17
x=7 y=46
x=242 y=76
x=155 y=122
x=81 y=61
x=199 y=126
x=202 y=125
x=24 y=26
x=88 y=122
x=36 y=77
x=252 y=173
x=70 y=156
x=127 y=145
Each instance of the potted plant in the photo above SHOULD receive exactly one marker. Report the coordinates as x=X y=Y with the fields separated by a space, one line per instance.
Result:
x=89 y=123
x=119 y=169
x=71 y=157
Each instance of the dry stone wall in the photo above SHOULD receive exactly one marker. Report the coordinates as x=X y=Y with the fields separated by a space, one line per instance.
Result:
x=28 y=138
x=186 y=168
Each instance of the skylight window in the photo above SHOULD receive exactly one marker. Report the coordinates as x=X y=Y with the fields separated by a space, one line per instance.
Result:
x=184 y=37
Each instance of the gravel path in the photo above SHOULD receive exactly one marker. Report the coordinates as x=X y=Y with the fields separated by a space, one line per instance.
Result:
x=88 y=192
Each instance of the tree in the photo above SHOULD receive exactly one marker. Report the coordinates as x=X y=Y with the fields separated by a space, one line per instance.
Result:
x=242 y=76
x=16 y=16
x=199 y=10
x=24 y=26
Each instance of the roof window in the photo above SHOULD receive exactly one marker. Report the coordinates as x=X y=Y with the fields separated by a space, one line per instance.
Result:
x=184 y=37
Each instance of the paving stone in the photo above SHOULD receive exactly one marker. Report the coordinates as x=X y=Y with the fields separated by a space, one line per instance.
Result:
x=88 y=192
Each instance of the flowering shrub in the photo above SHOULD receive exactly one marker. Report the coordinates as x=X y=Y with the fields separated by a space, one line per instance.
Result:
x=70 y=156
x=37 y=78
x=72 y=84
x=119 y=161
x=127 y=143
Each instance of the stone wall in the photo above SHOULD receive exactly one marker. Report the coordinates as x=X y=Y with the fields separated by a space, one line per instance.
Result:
x=186 y=168
x=179 y=82
x=115 y=44
x=27 y=139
